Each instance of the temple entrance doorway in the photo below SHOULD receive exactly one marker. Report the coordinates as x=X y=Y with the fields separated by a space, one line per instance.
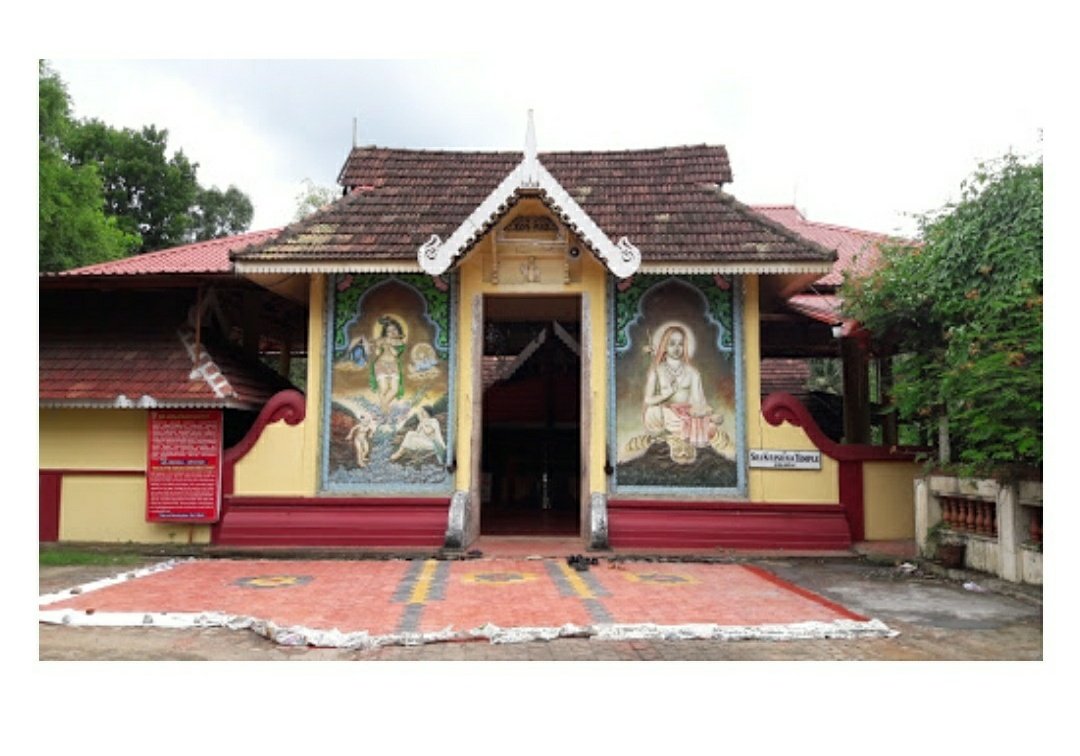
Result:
x=530 y=468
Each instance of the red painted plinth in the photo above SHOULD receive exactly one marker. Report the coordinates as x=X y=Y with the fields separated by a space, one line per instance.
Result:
x=736 y=525
x=49 y=505
x=273 y=521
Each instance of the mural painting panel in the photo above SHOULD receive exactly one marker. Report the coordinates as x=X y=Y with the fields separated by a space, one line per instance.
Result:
x=676 y=385
x=388 y=385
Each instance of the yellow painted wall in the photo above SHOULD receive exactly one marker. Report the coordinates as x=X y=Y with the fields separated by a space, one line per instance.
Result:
x=112 y=508
x=284 y=461
x=777 y=486
x=91 y=439
x=275 y=465
x=889 y=499
x=107 y=508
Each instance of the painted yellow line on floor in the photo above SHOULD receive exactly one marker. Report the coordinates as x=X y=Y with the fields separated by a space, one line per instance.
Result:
x=575 y=581
x=423 y=582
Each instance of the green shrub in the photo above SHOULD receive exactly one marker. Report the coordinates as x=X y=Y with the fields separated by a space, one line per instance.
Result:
x=964 y=305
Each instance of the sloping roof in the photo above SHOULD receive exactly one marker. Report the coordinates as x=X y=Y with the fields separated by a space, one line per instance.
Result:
x=667 y=201
x=201 y=257
x=824 y=308
x=857 y=251
x=93 y=353
x=787 y=375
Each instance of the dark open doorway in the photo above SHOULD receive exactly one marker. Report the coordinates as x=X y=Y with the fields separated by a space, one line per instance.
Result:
x=531 y=444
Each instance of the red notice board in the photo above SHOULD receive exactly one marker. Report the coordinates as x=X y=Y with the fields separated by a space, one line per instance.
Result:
x=183 y=472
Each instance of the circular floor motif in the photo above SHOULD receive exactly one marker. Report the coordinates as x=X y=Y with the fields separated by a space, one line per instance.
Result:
x=273 y=581
x=660 y=578
x=498 y=577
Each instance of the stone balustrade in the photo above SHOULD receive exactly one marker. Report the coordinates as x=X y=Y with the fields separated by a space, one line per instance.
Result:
x=1001 y=524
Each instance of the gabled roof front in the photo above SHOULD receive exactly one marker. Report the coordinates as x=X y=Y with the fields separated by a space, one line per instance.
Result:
x=667 y=202
x=529 y=177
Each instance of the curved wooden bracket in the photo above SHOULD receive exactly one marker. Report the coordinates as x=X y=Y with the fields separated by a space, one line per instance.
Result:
x=288 y=405
x=781 y=407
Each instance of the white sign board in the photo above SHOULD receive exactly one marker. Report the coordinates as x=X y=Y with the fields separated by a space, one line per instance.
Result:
x=778 y=459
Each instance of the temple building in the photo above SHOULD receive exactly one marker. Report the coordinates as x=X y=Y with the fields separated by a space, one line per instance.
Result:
x=465 y=343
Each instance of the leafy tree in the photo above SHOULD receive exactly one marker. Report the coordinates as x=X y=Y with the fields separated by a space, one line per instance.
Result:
x=149 y=193
x=73 y=229
x=107 y=192
x=313 y=197
x=218 y=213
x=965 y=307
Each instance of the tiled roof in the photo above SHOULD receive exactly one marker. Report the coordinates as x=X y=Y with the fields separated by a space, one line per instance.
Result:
x=857 y=251
x=787 y=375
x=667 y=201
x=821 y=307
x=201 y=257
x=93 y=353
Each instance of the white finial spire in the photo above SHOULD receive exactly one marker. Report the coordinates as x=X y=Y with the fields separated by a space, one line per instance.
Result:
x=531 y=178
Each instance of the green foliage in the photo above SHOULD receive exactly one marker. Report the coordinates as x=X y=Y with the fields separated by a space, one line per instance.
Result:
x=313 y=197
x=149 y=193
x=218 y=213
x=826 y=375
x=63 y=557
x=73 y=229
x=106 y=192
x=965 y=307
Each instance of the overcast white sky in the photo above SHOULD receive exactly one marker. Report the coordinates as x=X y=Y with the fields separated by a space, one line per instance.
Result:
x=849 y=142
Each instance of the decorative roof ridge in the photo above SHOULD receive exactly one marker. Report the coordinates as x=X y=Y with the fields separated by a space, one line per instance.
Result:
x=436 y=256
x=511 y=153
x=772 y=225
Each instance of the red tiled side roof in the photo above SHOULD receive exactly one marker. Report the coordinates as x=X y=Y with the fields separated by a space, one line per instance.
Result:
x=667 y=201
x=201 y=257
x=787 y=375
x=857 y=251
x=821 y=307
x=115 y=350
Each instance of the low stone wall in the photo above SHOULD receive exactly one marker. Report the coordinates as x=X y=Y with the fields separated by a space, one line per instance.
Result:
x=1014 y=551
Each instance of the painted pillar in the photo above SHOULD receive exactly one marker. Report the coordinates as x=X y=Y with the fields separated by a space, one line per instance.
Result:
x=751 y=361
x=470 y=347
x=309 y=457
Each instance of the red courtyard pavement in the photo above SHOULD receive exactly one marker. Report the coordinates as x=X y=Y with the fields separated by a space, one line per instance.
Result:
x=413 y=600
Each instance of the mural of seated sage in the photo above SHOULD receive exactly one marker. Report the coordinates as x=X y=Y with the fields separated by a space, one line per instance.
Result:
x=676 y=391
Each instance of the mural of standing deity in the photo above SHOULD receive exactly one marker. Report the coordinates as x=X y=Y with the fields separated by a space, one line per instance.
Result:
x=388 y=401
x=675 y=381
